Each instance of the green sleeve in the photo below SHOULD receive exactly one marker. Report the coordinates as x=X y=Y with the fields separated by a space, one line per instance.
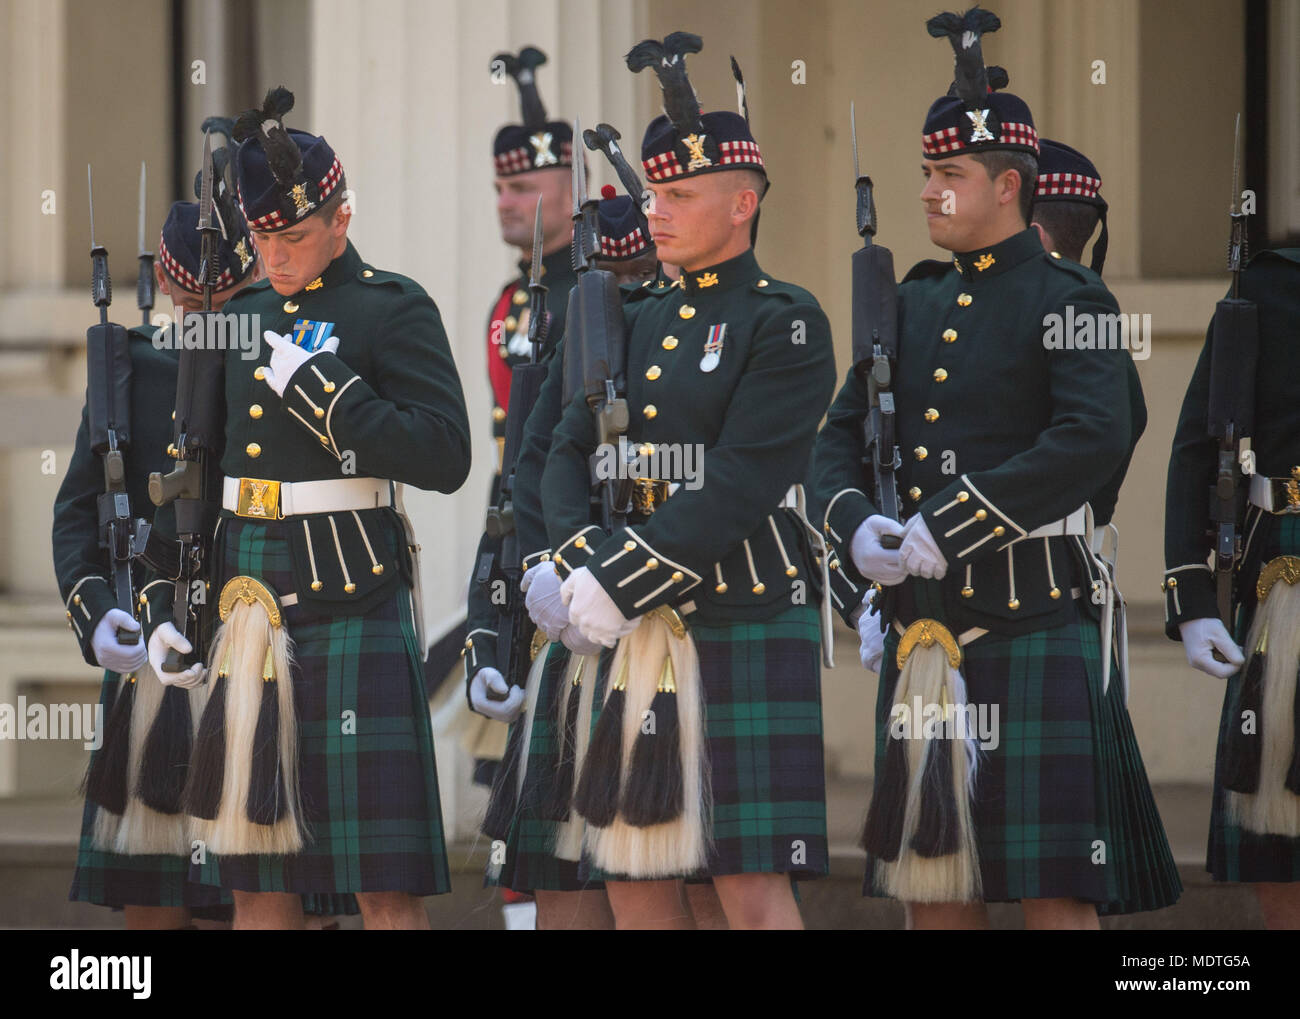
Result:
x=1189 y=585
x=982 y=512
x=411 y=427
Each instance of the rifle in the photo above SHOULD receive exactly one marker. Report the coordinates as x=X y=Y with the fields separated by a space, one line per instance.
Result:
x=108 y=377
x=1234 y=352
x=514 y=630
x=144 y=281
x=198 y=436
x=594 y=328
x=875 y=346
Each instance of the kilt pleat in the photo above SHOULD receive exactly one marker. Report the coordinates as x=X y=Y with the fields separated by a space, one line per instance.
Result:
x=1062 y=806
x=530 y=863
x=369 y=785
x=1232 y=853
x=763 y=730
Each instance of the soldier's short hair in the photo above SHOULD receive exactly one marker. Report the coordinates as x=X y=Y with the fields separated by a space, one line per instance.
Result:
x=998 y=161
x=1069 y=223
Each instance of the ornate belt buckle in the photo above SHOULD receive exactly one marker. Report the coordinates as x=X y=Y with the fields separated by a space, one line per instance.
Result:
x=259 y=499
x=1291 y=489
x=647 y=494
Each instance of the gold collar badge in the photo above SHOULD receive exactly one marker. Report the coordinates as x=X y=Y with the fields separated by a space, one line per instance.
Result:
x=707 y=280
x=984 y=261
x=315 y=284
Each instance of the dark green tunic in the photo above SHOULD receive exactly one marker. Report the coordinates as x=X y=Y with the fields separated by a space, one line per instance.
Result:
x=1272 y=280
x=998 y=434
x=387 y=405
x=733 y=369
x=1002 y=431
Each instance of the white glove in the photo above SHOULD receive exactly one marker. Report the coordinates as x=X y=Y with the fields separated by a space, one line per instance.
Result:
x=872 y=560
x=287 y=357
x=573 y=639
x=919 y=554
x=873 y=640
x=109 y=653
x=542 y=598
x=1201 y=637
x=165 y=637
x=506 y=710
x=593 y=611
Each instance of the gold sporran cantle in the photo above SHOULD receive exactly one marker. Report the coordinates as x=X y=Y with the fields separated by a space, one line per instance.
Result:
x=920 y=829
x=1261 y=766
x=243 y=785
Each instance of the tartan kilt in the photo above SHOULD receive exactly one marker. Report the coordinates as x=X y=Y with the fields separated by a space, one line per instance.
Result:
x=371 y=811
x=1065 y=778
x=1232 y=853
x=530 y=864
x=105 y=878
x=763 y=732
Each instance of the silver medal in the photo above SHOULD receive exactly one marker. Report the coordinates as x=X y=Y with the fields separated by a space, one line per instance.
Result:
x=713 y=347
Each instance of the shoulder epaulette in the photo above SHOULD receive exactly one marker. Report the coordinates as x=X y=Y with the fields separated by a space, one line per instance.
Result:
x=379 y=277
x=927 y=268
x=791 y=292
x=1282 y=254
x=1080 y=272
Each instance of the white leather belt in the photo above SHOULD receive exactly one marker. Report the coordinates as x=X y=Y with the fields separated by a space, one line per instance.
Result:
x=791 y=500
x=298 y=497
x=1264 y=491
x=1075 y=523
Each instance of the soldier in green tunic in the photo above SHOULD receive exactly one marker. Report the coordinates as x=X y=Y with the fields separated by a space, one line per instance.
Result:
x=531 y=160
x=1255 y=820
x=727 y=374
x=995 y=594
x=137 y=858
x=313 y=769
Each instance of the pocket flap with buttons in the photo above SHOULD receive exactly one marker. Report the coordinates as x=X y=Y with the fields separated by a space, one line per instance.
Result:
x=347 y=559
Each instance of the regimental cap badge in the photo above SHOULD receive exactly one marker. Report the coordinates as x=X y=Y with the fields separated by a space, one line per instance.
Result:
x=975 y=115
x=282 y=175
x=685 y=140
x=979 y=129
x=535 y=143
x=301 y=203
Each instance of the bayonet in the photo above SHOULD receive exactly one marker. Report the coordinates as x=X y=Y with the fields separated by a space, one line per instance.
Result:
x=537 y=315
x=586 y=225
x=866 y=203
x=208 y=247
x=144 y=281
